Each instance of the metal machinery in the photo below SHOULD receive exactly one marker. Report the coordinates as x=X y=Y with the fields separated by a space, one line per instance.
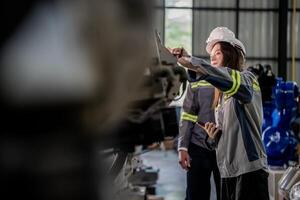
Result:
x=288 y=185
x=79 y=78
x=280 y=107
x=279 y=140
x=149 y=120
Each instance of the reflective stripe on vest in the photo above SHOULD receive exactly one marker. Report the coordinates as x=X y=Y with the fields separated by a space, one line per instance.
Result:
x=188 y=117
x=236 y=82
x=256 y=85
x=200 y=84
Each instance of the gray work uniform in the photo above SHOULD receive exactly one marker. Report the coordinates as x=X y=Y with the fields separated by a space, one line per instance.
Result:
x=196 y=106
x=240 y=149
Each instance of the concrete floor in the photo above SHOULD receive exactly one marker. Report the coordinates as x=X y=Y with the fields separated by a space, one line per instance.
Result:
x=171 y=183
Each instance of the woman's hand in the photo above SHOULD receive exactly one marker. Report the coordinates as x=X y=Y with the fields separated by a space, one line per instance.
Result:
x=182 y=56
x=179 y=52
x=210 y=129
x=184 y=59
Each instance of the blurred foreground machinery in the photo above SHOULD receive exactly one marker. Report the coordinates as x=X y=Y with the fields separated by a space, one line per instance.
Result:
x=79 y=78
x=150 y=119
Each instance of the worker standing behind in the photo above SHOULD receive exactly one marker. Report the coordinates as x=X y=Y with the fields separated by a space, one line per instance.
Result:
x=195 y=155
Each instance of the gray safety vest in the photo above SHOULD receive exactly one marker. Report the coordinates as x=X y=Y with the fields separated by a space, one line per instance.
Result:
x=240 y=149
x=196 y=106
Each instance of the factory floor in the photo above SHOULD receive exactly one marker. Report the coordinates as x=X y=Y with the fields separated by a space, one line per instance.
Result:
x=171 y=183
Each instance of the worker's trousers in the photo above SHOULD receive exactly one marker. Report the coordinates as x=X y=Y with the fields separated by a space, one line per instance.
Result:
x=249 y=186
x=203 y=163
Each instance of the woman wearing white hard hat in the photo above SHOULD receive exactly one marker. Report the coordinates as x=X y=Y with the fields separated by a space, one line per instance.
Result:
x=240 y=152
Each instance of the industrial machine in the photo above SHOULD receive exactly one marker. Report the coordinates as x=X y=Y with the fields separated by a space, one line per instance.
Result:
x=81 y=81
x=279 y=140
x=280 y=109
x=150 y=120
x=288 y=185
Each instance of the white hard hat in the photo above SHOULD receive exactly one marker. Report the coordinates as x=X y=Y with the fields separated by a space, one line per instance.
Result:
x=223 y=34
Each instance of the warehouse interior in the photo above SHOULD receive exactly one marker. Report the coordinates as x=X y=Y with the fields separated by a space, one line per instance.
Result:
x=94 y=97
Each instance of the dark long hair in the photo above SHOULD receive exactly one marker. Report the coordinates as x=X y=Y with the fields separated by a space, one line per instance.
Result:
x=232 y=58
